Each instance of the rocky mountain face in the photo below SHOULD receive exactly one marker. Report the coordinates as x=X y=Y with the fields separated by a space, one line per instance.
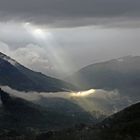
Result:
x=18 y=77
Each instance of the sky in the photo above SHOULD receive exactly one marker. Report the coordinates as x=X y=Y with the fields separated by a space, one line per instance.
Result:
x=58 y=37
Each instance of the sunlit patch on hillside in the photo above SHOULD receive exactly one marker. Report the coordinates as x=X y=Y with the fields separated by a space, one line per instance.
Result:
x=83 y=93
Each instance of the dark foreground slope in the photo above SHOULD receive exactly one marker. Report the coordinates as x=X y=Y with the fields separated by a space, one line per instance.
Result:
x=20 y=116
x=22 y=120
x=18 y=77
x=124 y=125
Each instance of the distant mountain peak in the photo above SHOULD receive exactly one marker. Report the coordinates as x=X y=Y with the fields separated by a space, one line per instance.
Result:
x=120 y=73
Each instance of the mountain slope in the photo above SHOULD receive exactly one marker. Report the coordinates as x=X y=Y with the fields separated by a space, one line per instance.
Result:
x=20 y=119
x=124 y=125
x=18 y=77
x=119 y=73
x=19 y=114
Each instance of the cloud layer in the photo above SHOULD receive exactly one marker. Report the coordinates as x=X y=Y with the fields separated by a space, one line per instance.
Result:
x=69 y=12
x=99 y=100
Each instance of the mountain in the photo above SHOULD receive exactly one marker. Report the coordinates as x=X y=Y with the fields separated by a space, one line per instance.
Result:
x=122 y=74
x=20 y=119
x=71 y=107
x=124 y=125
x=18 y=114
x=18 y=77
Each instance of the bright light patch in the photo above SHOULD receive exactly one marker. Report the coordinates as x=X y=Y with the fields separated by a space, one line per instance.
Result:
x=83 y=93
x=39 y=33
x=35 y=31
x=44 y=38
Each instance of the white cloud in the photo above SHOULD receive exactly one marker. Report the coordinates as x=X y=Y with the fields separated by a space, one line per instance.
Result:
x=29 y=96
x=101 y=100
x=4 y=48
x=31 y=56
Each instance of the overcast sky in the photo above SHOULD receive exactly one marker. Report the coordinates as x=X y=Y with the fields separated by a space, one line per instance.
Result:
x=58 y=37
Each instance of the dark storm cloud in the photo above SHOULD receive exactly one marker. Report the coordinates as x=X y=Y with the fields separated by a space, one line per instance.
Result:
x=53 y=11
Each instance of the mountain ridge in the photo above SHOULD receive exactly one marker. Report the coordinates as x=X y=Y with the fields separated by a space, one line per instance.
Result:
x=122 y=73
x=19 y=113
x=124 y=125
x=18 y=77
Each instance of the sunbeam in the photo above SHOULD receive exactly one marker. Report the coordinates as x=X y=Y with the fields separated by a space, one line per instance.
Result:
x=44 y=38
x=35 y=31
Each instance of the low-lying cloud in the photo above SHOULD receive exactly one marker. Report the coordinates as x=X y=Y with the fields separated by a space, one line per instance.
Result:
x=99 y=100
